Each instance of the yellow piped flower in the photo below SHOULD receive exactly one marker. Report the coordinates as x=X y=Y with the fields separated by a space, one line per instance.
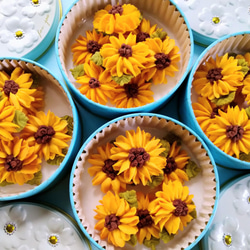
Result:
x=17 y=88
x=102 y=171
x=230 y=131
x=85 y=47
x=47 y=133
x=138 y=156
x=172 y=207
x=18 y=161
x=7 y=127
x=116 y=220
x=177 y=159
x=96 y=83
x=218 y=77
x=134 y=94
x=146 y=225
x=117 y=19
x=166 y=57
x=125 y=56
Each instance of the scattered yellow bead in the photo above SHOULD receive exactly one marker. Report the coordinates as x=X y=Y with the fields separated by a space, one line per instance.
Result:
x=10 y=228
x=35 y=1
x=53 y=239
x=228 y=239
x=19 y=33
x=216 y=20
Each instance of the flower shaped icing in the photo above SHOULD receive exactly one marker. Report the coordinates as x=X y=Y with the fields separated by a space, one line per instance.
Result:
x=227 y=234
x=186 y=5
x=33 y=7
x=20 y=34
x=55 y=234
x=214 y=20
x=8 y=8
x=14 y=228
x=243 y=12
x=242 y=198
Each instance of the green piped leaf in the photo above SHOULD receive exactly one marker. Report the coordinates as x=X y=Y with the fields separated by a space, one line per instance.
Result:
x=160 y=34
x=244 y=65
x=77 y=71
x=223 y=100
x=5 y=183
x=69 y=120
x=58 y=158
x=194 y=213
x=152 y=243
x=166 y=145
x=124 y=79
x=133 y=240
x=192 y=169
x=130 y=197
x=37 y=179
x=156 y=181
x=36 y=81
x=20 y=119
x=244 y=157
x=248 y=112
x=165 y=236
x=97 y=58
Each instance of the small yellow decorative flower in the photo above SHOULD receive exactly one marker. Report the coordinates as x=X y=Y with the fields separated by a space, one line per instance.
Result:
x=166 y=59
x=138 y=156
x=96 y=83
x=117 y=19
x=146 y=225
x=176 y=160
x=125 y=56
x=134 y=94
x=85 y=47
x=18 y=161
x=230 y=131
x=172 y=207
x=48 y=133
x=117 y=221
x=103 y=172
x=218 y=77
x=17 y=88
x=7 y=127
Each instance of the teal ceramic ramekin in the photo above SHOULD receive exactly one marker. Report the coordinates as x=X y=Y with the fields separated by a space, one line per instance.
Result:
x=57 y=100
x=237 y=43
x=85 y=196
x=78 y=19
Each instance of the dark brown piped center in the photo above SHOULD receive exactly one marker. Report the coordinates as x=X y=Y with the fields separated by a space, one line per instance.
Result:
x=112 y=222
x=125 y=50
x=162 y=60
x=234 y=132
x=171 y=166
x=214 y=112
x=181 y=208
x=44 y=134
x=94 y=83
x=116 y=9
x=142 y=36
x=12 y=163
x=214 y=75
x=10 y=86
x=145 y=219
x=93 y=46
x=131 y=90
x=109 y=170
x=138 y=157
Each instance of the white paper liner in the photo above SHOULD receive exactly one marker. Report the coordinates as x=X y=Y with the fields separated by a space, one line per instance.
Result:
x=239 y=44
x=163 y=13
x=86 y=196
x=56 y=101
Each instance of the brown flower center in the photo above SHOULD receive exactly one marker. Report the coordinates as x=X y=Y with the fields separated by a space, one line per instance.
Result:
x=108 y=169
x=171 y=166
x=142 y=36
x=125 y=50
x=162 y=60
x=137 y=157
x=112 y=222
x=145 y=219
x=214 y=112
x=12 y=163
x=214 y=75
x=234 y=132
x=116 y=9
x=94 y=83
x=10 y=87
x=44 y=134
x=181 y=208
x=131 y=90
x=93 y=46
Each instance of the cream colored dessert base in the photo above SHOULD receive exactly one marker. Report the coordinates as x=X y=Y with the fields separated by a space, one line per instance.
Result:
x=86 y=196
